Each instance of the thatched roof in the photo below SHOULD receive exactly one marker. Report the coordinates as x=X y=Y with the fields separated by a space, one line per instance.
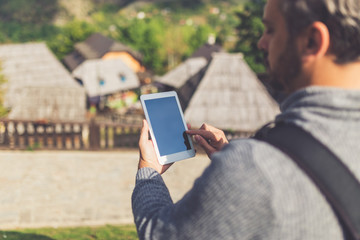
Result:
x=182 y=73
x=95 y=47
x=102 y=77
x=178 y=76
x=39 y=87
x=49 y=103
x=230 y=97
x=207 y=50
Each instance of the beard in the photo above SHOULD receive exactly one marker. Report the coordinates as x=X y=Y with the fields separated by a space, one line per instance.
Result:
x=285 y=71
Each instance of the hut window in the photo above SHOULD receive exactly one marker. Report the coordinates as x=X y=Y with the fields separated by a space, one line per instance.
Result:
x=122 y=77
x=101 y=82
x=79 y=81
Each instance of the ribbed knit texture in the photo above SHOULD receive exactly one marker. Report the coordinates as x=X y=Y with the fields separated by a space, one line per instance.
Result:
x=252 y=190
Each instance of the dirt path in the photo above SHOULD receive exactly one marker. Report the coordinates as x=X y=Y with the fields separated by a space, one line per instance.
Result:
x=52 y=188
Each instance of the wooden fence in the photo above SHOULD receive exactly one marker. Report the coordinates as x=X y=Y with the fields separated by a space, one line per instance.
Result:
x=92 y=135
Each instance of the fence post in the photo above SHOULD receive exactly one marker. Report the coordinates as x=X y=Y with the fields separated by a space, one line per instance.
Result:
x=6 y=134
x=94 y=135
x=72 y=136
x=106 y=129
x=16 y=135
x=81 y=137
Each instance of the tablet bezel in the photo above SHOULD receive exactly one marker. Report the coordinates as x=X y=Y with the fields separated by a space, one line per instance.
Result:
x=175 y=156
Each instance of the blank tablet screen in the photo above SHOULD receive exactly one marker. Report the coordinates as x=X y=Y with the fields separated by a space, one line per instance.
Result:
x=167 y=125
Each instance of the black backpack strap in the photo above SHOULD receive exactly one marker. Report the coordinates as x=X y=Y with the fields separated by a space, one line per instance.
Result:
x=328 y=172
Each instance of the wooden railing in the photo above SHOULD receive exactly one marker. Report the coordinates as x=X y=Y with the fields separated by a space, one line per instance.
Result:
x=18 y=134
x=90 y=135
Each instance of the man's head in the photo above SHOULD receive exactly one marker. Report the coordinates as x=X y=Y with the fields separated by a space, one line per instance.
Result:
x=341 y=17
x=300 y=34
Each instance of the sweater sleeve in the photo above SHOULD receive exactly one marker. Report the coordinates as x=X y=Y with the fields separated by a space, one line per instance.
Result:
x=231 y=200
x=149 y=197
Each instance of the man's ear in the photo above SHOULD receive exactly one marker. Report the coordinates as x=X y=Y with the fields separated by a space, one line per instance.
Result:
x=315 y=41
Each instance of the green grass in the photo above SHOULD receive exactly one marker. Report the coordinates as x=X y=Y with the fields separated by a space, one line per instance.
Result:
x=108 y=232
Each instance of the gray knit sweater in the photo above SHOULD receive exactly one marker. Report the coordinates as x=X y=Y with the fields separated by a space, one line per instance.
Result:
x=252 y=190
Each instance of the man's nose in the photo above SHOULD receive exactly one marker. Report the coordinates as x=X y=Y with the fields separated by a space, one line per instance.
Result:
x=261 y=43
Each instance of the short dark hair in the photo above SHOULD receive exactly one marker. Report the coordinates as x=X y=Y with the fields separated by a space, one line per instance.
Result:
x=342 y=17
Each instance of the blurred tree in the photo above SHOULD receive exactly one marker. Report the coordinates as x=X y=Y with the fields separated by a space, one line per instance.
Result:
x=191 y=3
x=28 y=11
x=73 y=32
x=25 y=32
x=113 y=5
x=151 y=45
x=226 y=30
x=175 y=45
x=170 y=31
x=181 y=5
x=199 y=37
x=145 y=35
x=162 y=44
x=249 y=30
x=27 y=20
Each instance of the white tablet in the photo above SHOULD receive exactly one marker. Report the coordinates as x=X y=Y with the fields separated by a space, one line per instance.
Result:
x=167 y=127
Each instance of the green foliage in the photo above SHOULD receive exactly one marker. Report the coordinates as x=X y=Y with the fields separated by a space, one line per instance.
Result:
x=145 y=35
x=25 y=32
x=160 y=41
x=250 y=29
x=28 y=11
x=190 y=3
x=152 y=44
x=107 y=232
x=170 y=32
x=73 y=32
x=182 y=5
x=111 y=6
x=199 y=37
x=27 y=20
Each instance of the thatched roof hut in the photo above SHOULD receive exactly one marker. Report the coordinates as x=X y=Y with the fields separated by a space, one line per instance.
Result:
x=185 y=78
x=98 y=46
x=95 y=47
x=103 y=77
x=39 y=87
x=230 y=97
x=178 y=76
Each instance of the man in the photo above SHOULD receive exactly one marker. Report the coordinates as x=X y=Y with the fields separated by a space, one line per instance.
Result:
x=252 y=190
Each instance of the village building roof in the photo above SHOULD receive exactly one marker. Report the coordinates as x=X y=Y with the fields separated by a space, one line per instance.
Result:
x=230 y=97
x=95 y=47
x=38 y=85
x=207 y=50
x=178 y=76
x=103 y=77
x=185 y=78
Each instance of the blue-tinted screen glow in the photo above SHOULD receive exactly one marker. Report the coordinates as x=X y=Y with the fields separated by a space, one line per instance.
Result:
x=167 y=125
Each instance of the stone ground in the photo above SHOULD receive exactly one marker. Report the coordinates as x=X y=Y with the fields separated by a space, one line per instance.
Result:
x=74 y=188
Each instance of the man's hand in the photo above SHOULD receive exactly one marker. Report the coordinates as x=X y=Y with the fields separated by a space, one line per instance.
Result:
x=209 y=138
x=147 y=152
